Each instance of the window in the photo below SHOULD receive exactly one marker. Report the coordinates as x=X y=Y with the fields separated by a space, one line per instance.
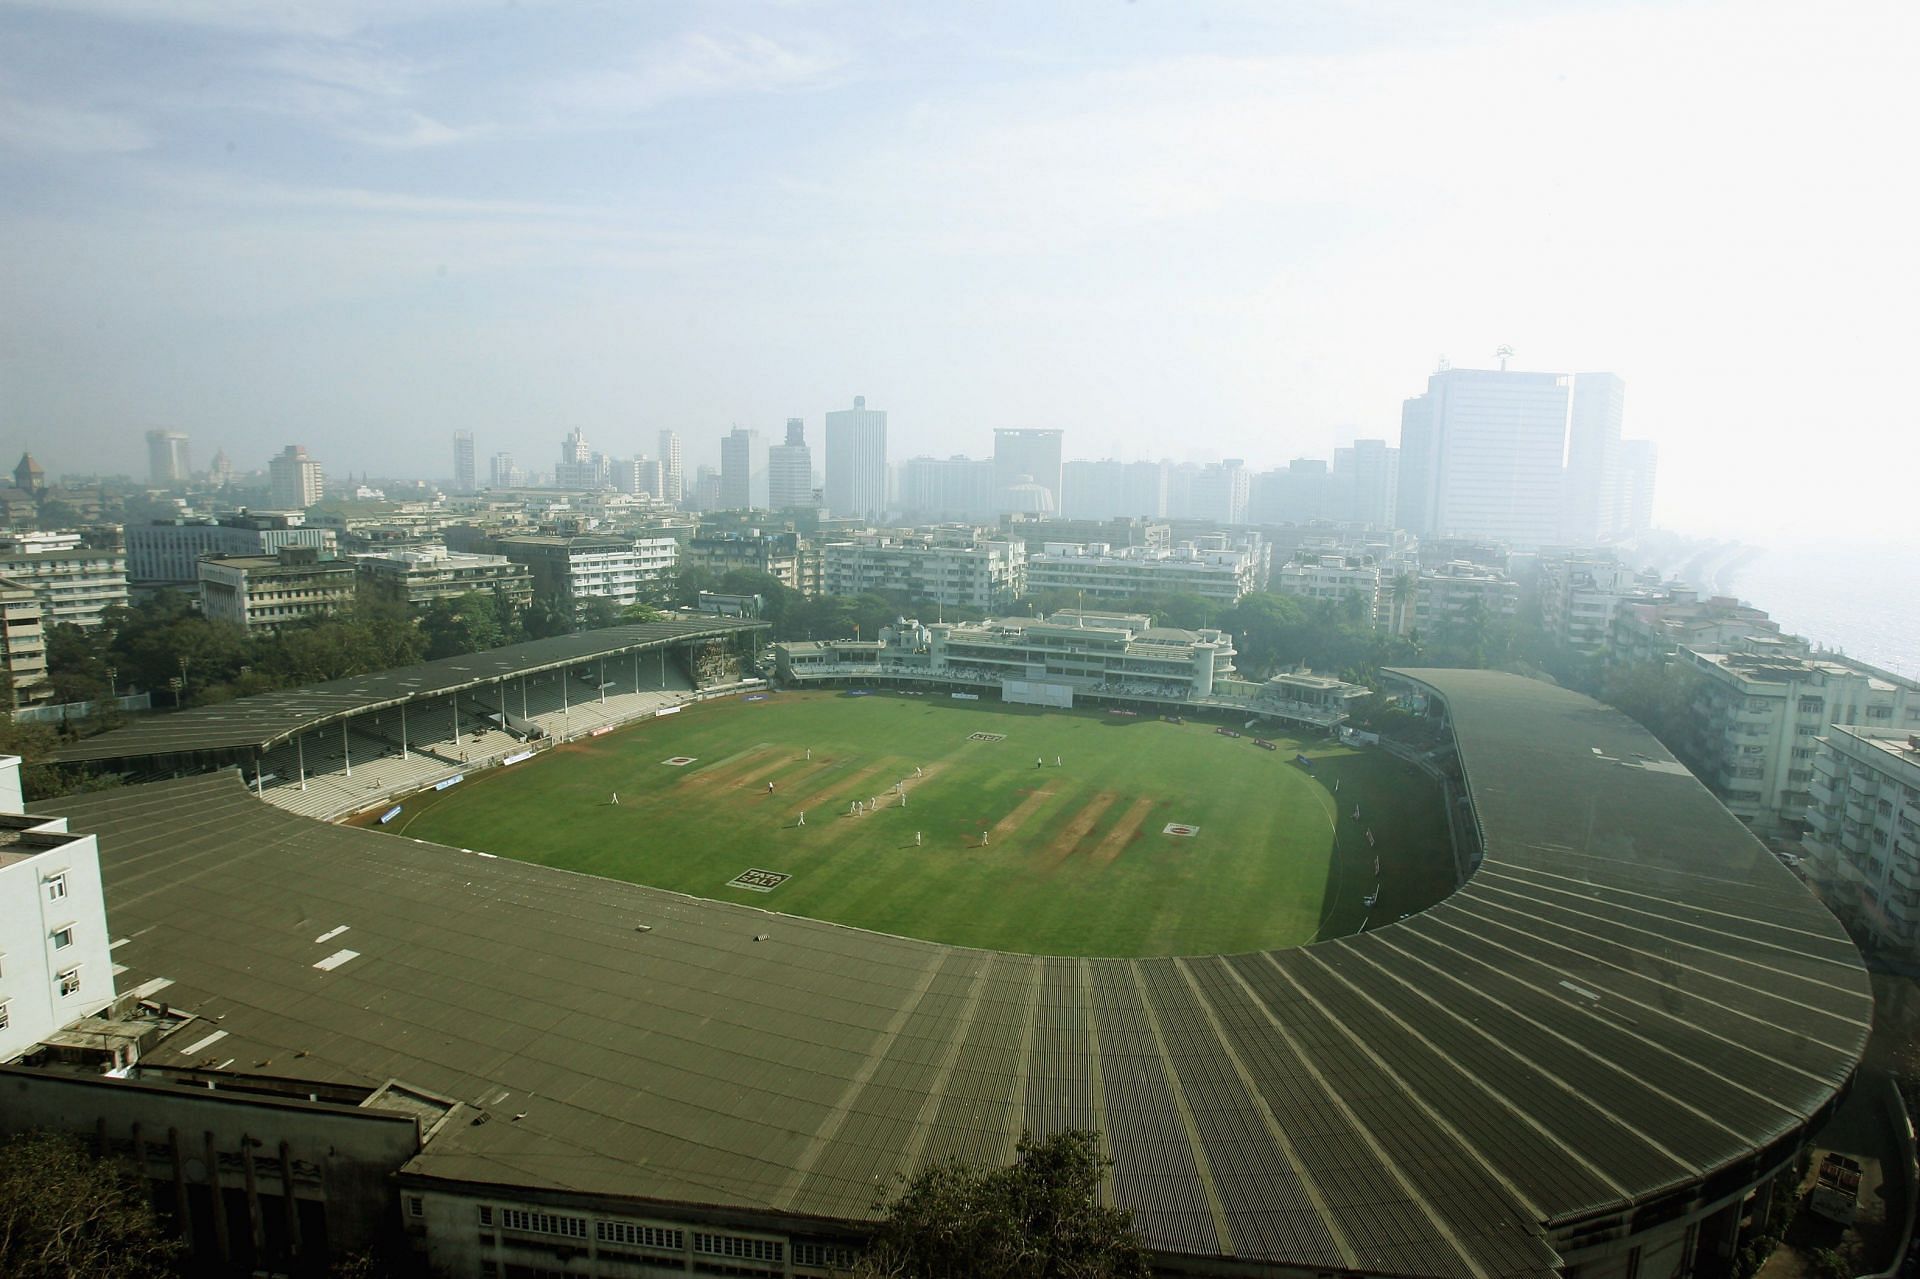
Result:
x=639 y=1236
x=542 y=1223
x=738 y=1246
x=63 y=937
x=70 y=982
x=6 y=1018
x=416 y=1206
x=56 y=886
x=486 y=1214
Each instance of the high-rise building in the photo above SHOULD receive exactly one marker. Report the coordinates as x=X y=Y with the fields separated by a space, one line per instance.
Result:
x=295 y=479
x=638 y=475
x=857 y=461
x=950 y=488
x=1481 y=454
x=1591 y=505
x=670 y=464
x=790 y=469
x=1028 y=454
x=463 y=472
x=168 y=464
x=743 y=471
x=220 y=470
x=1367 y=481
x=1639 y=461
x=504 y=474
x=1107 y=489
x=1220 y=492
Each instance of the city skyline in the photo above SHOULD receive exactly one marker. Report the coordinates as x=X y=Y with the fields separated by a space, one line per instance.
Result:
x=365 y=230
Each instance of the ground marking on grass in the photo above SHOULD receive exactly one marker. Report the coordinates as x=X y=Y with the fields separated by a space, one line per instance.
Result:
x=1179 y=828
x=986 y=737
x=758 y=881
x=678 y=761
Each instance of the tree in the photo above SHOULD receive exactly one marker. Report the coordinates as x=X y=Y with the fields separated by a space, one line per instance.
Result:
x=1034 y=1219
x=599 y=612
x=467 y=623
x=67 y=1215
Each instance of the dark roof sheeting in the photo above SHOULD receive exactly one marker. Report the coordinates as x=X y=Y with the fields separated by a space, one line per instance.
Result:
x=257 y=723
x=1630 y=993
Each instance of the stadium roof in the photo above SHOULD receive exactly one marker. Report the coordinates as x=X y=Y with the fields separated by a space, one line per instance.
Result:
x=1629 y=997
x=257 y=723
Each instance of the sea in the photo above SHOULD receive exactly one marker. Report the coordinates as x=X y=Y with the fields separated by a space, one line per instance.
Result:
x=1860 y=597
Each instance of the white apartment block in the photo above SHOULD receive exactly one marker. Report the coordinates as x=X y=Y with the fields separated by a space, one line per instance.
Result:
x=1757 y=713
x=55 y=963
x=1332 y=577
x=296 y=479
x=1863 y=834
x=856 y=481
x=1447 y=591
x=417 y=577
x=951 y=488
x=975 y=572
x=1581 y=593
x=1215 y=567
x=75 y=583
x=169 y=551
x=575 y=569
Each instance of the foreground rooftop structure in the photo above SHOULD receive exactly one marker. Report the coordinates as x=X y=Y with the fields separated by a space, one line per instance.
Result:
x=1627 y=1019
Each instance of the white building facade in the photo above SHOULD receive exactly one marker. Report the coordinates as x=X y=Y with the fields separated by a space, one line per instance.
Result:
x=1863 y=834
x=961 y=570
x=856 y=481
x=295 y=478
x=1215 y=567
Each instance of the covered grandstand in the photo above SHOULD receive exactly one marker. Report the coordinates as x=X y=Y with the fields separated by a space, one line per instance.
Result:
x=1628 y=1020
x=332 y=748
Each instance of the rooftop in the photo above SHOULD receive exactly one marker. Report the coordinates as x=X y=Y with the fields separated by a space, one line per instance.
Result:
x=1629 y=996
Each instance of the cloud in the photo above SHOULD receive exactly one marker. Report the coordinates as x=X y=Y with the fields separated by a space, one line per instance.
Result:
x=331 y=18
x=693 y=65
x=50 y=129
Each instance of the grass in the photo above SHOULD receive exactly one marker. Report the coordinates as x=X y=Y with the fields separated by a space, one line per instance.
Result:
x=1075 y=861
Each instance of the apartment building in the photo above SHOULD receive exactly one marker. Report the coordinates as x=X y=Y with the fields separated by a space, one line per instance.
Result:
x=266 y=592
x=76 y=584
x=23 y=645
x=777 y=554
x=1863 y=834
x=418 y=576
x=574 y=568
x=1653 y=630
x=1582 y=592
x=1215 y=566
x=1447 y=592
x=1332 y=576
x=1758 y=710
x=953 y=567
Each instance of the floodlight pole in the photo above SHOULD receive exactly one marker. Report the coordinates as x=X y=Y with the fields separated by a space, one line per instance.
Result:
x=603 y=681
x=346 y=748
x=300 y=754
x=403 y=731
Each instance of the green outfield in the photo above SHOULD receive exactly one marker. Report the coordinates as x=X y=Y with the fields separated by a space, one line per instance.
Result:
x=1019 y=829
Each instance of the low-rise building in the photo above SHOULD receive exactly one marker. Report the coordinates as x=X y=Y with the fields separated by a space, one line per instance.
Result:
x=1758 y=710
x=1654 y=630
x=1448 y=592
x=573 y=569
x=418 y=576
x=166 y=553
x=1863 y=834
x=952 y=567
x=23 y=645
x=1580 y=593
x=1333 y=577
x=265 y=592
x=780 y=555
x=1216 y=567
x=76 y=583
x=53 y=924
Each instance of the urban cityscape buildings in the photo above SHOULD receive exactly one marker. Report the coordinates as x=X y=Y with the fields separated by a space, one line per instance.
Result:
x=1028 y=455
x=464 y=475
x=168 y=462
x=297 y=481
x=856 y=480
x=790 y=469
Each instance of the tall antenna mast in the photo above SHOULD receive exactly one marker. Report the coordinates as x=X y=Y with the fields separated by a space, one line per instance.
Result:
x=1503 y=353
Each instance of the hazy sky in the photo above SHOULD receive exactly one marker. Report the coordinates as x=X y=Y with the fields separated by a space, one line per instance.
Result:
x=1172 y=229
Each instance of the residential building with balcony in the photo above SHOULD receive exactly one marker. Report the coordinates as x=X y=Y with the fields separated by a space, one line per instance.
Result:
x=1654 y=630
x=1863 y=834
x=418 y=577
x=1216 y=566
x=23 y=645
x=75 y=583
x=1333 y=577
x=780 y=555
x=1581 y=592
x=951 y=567
x=266 y=592
x=1447 y=592
x=574 y=568
x=1757 y=713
